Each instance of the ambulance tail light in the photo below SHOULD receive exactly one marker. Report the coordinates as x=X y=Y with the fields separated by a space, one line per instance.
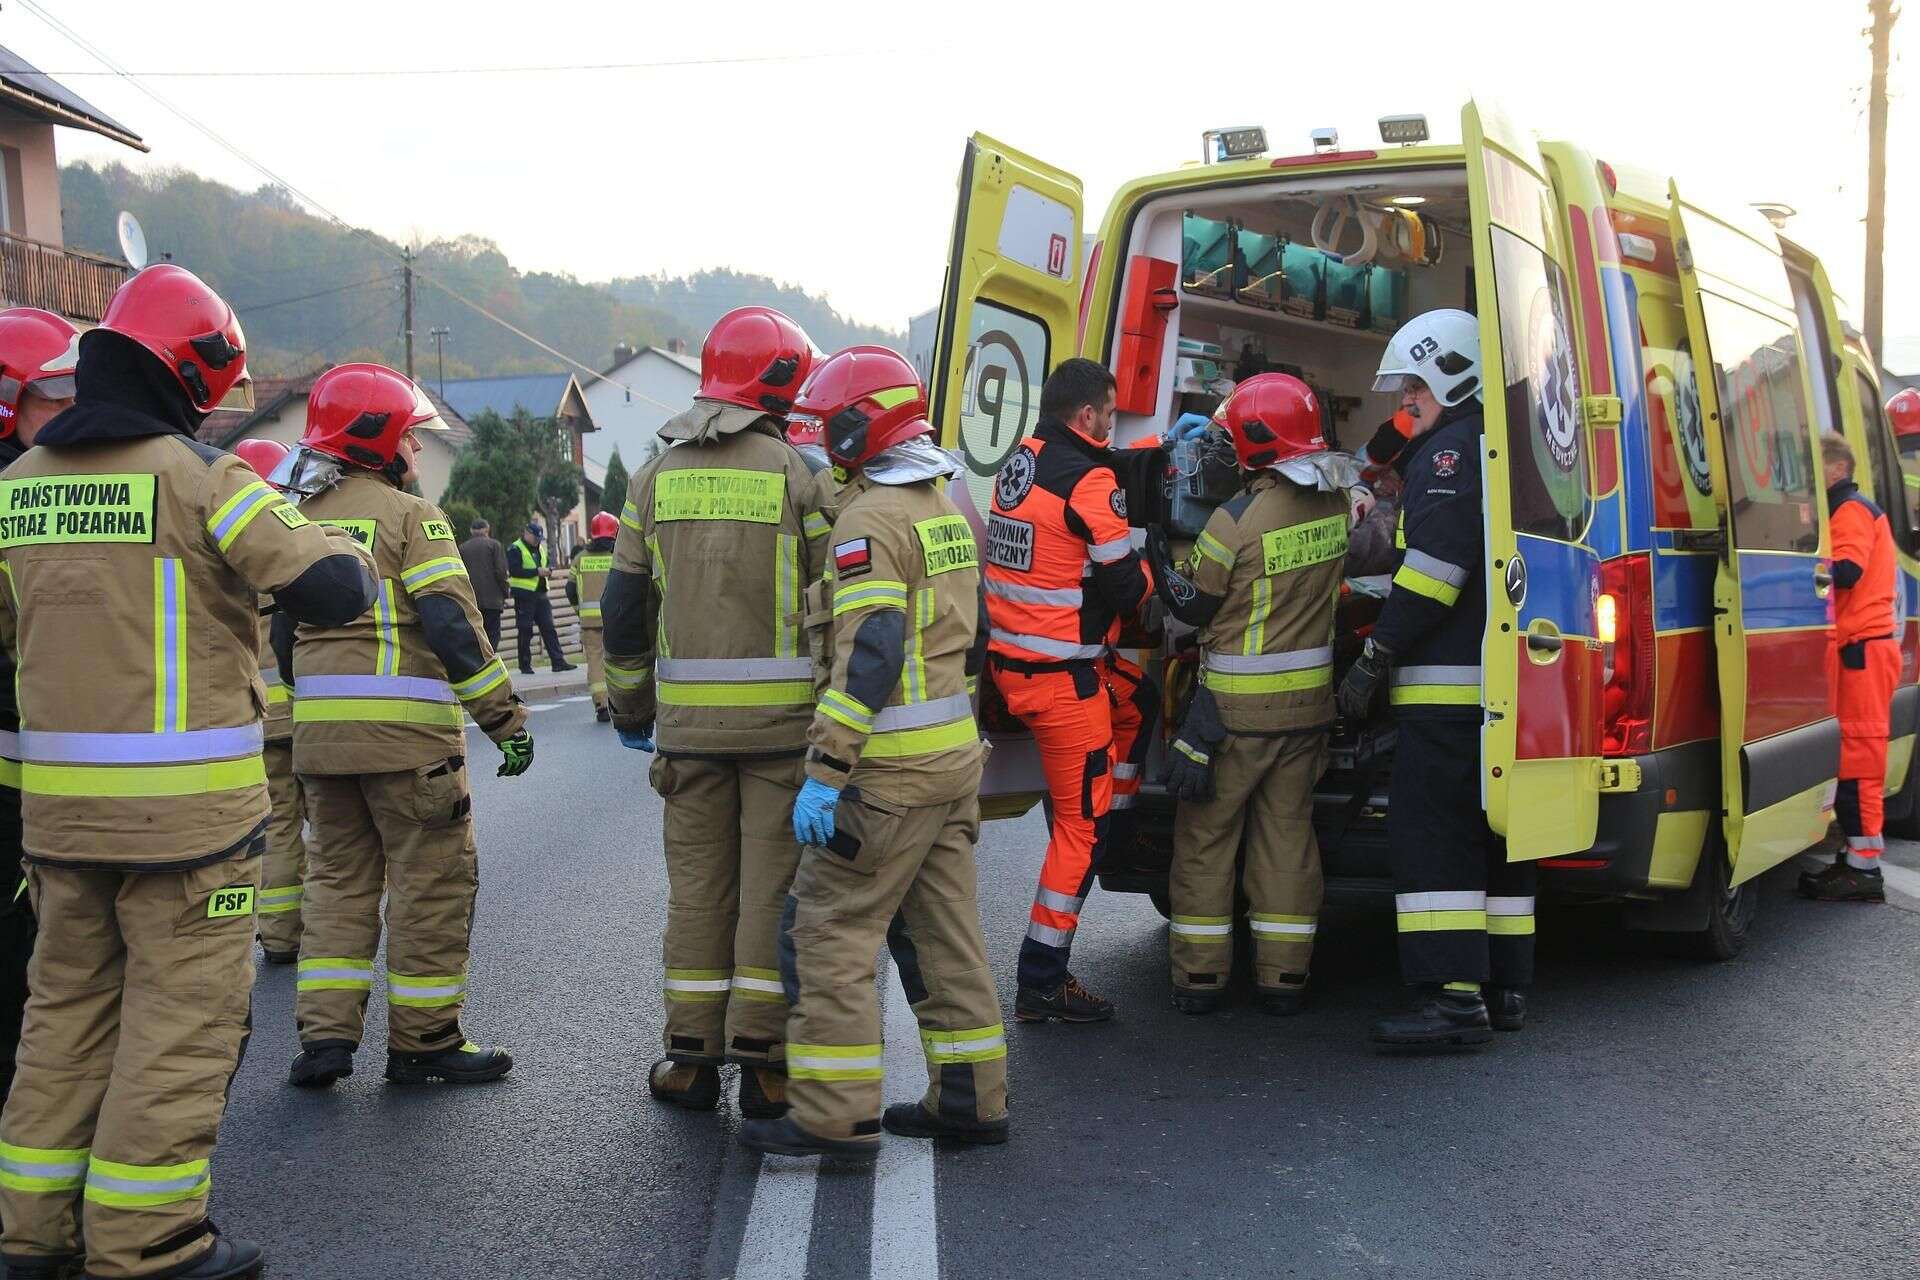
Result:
x=1624 y=623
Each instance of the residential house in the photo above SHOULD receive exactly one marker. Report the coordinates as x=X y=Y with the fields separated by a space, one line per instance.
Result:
x=634 y=399
x=549 y=397
x=35 y=269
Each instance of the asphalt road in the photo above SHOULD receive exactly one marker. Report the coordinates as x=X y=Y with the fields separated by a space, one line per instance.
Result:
x=1658 y=1117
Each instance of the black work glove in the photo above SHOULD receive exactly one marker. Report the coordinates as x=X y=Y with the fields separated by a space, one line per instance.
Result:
x=1854 y=656
x=1190 y=769
x=516 y=755
x=1360 y=691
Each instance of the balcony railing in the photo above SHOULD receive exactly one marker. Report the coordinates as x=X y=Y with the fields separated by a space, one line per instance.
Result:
x=77 y=285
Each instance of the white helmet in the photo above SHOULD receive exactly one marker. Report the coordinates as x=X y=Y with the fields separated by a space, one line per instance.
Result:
x=1442 y=349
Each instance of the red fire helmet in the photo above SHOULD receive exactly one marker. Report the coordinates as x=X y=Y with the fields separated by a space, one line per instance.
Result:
x=358 y=412
x=38 y=352
x=756 y=358
x=604 y=525
x=867 y=399
x=261 y=454
x=172 y=313
x=1903 y=411
x=1272 y=418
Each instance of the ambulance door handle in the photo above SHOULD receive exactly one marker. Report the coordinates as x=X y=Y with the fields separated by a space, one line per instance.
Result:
x=1544 y=641
x=1822 y=581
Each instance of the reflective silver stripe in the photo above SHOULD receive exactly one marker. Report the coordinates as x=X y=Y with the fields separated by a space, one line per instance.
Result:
x=1058 y=902
x=757 y=984
x=360 y=975
x=1436 y=675
x=1257 y=664
x=1024 y=594
x=1420 y=562
x=1122 y=772
x=698 y=984
x=38 y=746
x=1188 y=930
x=1509 y=906
x=9 y=744
x=807 y=1061
x=42 y=1168
x=143 y=1186
x=1462 y=901
x=724 y=670
x=419 y=991
x=418 y=688
x=590 y=604
x=951 y=1042
x=1862 y=861
x=1276 y=926
x=1046 y=936
x=1123 y=801
x=918 y=715
x=1866 y=842
x=270 y=675
x=1052 y=648
x=1108 y=552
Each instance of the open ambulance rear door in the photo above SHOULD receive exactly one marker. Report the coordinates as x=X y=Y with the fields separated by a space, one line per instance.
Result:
x=1008 y=314
x=1542 y=670
x=1780 y=740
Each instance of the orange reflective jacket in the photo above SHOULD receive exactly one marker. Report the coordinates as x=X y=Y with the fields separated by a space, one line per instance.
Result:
x=1865 y=567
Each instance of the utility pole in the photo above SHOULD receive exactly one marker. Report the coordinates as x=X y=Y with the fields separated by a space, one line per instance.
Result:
x=440 y=333
x=1884 y=13
x=406 y=271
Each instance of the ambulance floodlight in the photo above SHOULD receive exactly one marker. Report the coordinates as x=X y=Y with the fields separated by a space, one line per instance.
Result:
x=1775 y=212
x=1326 y=139
x=1407 y=202
x=1405 y=130
x=1639 y=248
x=1238 y=142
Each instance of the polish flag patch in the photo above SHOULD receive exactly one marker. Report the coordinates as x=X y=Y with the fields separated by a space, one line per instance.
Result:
x=850 y=559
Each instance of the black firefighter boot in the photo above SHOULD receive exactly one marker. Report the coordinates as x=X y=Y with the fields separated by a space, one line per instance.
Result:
x=1507 y=1008
x=783 y=1137
x=763 y=1092
x=321 y=1062
x=64 y=1266
x=464 y=1063
x=227 y=1260
x=1441 y=1019
x=912 y=1120
x=1842 y=883
x=692 y=1085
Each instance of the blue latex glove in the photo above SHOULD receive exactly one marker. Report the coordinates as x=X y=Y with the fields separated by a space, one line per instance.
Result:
x=1188 y=426
x=635 y=741
x=813 y=812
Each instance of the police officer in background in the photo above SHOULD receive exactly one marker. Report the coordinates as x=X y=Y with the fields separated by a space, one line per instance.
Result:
x=1260 y=586
x=1465 y=913
x=703 y=633
x=586 y=580
x=527 y=577
x=145 y=797
x=38 y=350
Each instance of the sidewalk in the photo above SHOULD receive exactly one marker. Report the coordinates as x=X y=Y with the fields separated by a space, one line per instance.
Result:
x=545 y=681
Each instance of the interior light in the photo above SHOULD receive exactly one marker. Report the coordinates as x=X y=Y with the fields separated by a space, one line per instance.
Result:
x=1408 y=201
x=1639 y=248
x=1606 y=618
x=1405 y=130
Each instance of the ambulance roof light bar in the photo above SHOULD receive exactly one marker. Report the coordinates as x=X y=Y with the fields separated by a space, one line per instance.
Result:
x=1405 y=130
x=1236 y=142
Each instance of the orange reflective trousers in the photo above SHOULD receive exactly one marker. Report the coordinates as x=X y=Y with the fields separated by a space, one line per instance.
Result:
x=1866 y=701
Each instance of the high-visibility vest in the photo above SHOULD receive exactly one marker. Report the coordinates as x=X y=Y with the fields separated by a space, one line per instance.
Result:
x=538 y=559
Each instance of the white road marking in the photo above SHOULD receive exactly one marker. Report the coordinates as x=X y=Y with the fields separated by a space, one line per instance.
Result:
x=582 y=697
x=543 y=706
x=1901 y=878
x=780 y=1220
x=906 y=1224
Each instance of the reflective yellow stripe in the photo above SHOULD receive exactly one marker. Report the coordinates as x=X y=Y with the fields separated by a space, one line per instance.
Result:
x=976 y=1044
x=1255 y=640
x=834 y=1061
x=40 y=1170
x=915 y=672
x=1198 y=757
x=630 y=516
x=381 y=710
x=277 y=694
x=428 y=572
x=254 y=496
x=742 y=693
x=481 y=682
x=1510 y=925
x=1450 y=695
x=628 y=678
x=894 y=743
x=10 y=773
x=1425 y=584
x=816 y=525
x=138 y=1186
x=119 y=781
x=1213 y=549
x=869 y=593
x=847 y=710
x=1268 y=682
x=1440 y=921
x=786 y=598
x=1400 y=530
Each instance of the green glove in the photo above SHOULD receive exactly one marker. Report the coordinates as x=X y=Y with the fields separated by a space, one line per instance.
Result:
x=517 y=753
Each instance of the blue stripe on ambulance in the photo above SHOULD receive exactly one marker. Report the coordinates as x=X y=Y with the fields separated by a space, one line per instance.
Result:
x=1682 y=588
x=1621 y=299
x=1560 y=585
x=1776 y=591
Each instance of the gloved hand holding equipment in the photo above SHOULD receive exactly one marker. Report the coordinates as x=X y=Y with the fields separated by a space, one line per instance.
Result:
x=635 y=741
x=813 y=812
x=1360 y=691
x=1190 y=776
x=1185 y=427
x=516 y=755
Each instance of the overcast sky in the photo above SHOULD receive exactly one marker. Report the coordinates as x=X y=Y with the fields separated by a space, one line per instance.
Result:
x=832 y=165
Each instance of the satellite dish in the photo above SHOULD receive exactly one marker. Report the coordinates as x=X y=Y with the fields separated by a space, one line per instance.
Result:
x=133 y=241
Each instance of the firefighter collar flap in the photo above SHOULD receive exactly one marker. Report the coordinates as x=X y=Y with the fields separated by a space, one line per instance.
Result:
x=708 y=420
x=910 y=462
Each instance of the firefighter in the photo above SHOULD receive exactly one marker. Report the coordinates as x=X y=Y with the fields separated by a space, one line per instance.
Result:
x=379 y=705
x=585 y=581
x=1465 y=914
x=702 y=610
x=527 y=580
x=1260 y=587
x=37 y=354
x=1062 y=575
x=135 y=557
x=1867 y=640
x=285 y=866
x=890 y=810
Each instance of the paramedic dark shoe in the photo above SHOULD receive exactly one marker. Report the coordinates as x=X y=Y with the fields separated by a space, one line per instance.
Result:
x=783 y=1137
x=763 y=1093
x=1506 y=1008
x=911 y=1120
x=1842 y=883
x=693 y=1085
x=1068 y=1002
x=1441 y=1020
x=466 y=1063
x=321 y=1063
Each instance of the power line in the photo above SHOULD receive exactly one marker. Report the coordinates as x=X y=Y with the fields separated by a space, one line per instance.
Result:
x=254 y=308
x=372 y=73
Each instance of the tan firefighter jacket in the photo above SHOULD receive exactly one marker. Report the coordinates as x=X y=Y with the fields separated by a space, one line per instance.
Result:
x=391 y=689
x=587 y=579
x=279 y=703
x=903 y=567
x=1275 y=555
x=133 y=571
x=717 y=543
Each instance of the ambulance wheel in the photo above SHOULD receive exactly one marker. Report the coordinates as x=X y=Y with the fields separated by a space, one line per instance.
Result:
x=1730 y=908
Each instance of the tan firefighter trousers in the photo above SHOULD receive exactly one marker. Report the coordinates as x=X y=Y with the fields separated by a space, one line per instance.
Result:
x=286 y=861
x=139 y=1010
x=730 y=859
x=1264 y=788
x=411 y=833
x=595 y=647
x=906 y=876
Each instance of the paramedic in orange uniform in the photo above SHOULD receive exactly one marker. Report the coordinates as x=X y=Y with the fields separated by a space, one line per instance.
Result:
x=1062 y=576
x=1865 y=573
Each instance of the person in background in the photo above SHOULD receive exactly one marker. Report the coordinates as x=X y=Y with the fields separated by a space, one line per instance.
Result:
x=486 y=562
x=585 y=582
x=527 y=576
x=1375 y=545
